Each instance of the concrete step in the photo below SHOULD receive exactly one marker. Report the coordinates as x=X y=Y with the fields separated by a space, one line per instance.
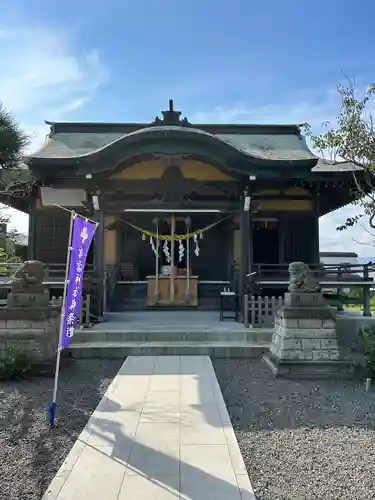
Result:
x=119 y=350
x=176 y=334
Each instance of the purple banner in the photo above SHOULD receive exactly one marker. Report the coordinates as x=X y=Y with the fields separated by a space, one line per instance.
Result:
x=82 y=235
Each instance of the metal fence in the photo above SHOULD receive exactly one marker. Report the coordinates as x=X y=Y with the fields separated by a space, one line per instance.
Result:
x=260 y=312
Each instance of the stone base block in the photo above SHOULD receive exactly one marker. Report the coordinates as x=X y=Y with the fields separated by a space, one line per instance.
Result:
x=21 y=287
x=294 y=369
x=296 y=313
x=35 y=330
x=304 y=299
x=26 y=300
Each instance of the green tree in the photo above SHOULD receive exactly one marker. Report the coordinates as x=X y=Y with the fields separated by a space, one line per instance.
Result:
x=352 y=140
x=15 y=178
x=13 y=140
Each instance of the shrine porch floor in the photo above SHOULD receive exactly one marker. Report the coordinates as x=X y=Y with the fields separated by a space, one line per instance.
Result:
x=161 y=432
x=169 y=333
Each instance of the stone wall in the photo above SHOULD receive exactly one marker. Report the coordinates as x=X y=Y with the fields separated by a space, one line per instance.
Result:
x=305 y=342
x=37 y=335
x=305 y=339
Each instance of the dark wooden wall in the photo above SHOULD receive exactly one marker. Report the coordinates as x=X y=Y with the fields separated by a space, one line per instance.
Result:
x=50 y=237
x=214 y=255
x=51 y=233
x=299 y=239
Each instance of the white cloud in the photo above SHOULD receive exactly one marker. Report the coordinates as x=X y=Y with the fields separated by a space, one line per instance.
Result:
x=359 y=238
x=44 y=77
x=290 y=112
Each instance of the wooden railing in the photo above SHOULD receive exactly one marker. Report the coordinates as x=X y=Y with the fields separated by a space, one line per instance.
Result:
x=99 y=290
x=84 y=313
x=53 y=272
x=275 y=273
x=260 y=312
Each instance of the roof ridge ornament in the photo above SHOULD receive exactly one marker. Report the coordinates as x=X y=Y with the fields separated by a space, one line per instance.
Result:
x=171 y=117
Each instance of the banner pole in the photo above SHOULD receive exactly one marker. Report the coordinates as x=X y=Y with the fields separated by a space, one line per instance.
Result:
x=52 y=408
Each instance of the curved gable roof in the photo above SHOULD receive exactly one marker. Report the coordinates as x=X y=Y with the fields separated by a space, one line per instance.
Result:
x=272 y=143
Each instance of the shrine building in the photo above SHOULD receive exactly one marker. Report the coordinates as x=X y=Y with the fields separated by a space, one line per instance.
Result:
x=184 y=209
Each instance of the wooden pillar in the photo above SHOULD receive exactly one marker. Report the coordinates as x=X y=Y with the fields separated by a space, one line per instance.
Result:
x=366 y=293
x=251 y=241
x=280 y=228
x=317 y=213
x=32 y=230
x=173 y=233
x=99 y=257
x=245 y=241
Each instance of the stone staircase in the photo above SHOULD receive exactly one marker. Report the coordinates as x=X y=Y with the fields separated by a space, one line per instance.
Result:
x=154 y=333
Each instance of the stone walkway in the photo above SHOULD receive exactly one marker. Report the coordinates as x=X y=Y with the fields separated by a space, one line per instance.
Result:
x=161 y=432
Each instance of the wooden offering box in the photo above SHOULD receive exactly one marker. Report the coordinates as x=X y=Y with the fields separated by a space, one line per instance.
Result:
x=179 y=296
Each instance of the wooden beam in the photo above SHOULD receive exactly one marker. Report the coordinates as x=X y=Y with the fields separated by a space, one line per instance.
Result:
x=170 y=206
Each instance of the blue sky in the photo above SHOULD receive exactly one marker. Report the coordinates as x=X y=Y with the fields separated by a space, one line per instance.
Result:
x=239 y=61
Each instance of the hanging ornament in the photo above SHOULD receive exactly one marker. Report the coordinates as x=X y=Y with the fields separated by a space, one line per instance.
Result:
x=201 y=236
x=153 y=247
x=143 y=237
x=181 y=250
x=166 y=252
x=196 y=250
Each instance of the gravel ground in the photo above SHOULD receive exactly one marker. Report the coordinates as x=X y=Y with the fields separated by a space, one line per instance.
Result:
x=30 y=452
x=301 y=440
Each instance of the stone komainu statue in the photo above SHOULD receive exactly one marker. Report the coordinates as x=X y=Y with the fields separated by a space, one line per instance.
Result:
x=301 y=278
x=29 y=277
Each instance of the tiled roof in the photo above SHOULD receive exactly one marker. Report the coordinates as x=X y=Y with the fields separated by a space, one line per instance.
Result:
x=285 y=145
x=330 y=166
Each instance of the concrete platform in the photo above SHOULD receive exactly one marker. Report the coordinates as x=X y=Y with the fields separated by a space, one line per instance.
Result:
x=161 y=432
x=139 y=321
x=170 y=326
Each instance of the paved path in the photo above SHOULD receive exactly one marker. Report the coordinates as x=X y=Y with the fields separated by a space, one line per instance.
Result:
x=161 y=432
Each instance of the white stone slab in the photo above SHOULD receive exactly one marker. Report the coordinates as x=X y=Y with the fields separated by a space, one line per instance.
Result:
x=161 y=431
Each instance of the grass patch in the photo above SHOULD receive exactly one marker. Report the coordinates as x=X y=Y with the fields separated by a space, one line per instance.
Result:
x=15 y=363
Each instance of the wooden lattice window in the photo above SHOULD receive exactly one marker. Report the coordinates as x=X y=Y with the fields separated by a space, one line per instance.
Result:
x=52 y=240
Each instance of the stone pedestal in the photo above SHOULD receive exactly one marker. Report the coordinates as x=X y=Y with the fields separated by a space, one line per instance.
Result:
x=34 y=329
x=304 y=343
